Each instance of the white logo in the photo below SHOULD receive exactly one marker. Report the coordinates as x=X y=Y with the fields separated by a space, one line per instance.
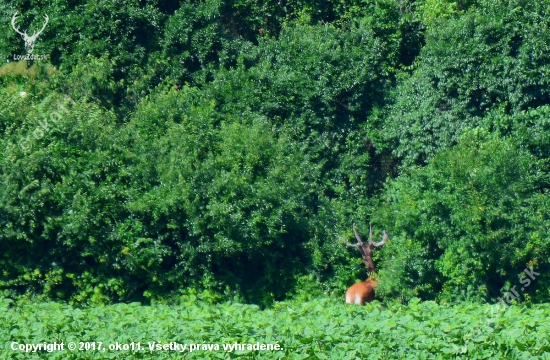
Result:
x=29 y=40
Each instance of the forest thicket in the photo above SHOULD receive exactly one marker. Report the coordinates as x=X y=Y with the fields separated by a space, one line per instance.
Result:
x=225 y=148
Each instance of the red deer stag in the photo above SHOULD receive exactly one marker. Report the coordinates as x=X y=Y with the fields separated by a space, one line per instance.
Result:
x=363 y=292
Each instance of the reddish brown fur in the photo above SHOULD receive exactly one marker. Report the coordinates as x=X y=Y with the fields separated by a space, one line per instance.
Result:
x=362 y=292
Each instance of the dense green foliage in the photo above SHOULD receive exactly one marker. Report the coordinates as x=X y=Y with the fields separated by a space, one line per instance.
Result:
x=470 y=214
x=493 y=57
x=322 y=329
x=226 y=147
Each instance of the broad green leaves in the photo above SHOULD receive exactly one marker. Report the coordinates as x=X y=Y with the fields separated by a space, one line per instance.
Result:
x=322 y=329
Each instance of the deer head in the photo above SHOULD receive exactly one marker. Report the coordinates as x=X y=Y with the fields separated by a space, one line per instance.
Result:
x=29 y=40
x=366 y=248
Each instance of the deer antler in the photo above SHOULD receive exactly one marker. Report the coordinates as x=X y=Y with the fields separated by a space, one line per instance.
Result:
x=43 y=27
x=366 y=248
x=359 y=241
x=378 y=244
x=13 y=25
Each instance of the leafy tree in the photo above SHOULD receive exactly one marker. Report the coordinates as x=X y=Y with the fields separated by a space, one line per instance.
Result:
x=466 y=225
x=492 y=57
x=60 y=191
x=231 y=200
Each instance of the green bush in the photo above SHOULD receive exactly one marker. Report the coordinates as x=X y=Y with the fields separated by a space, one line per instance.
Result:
x=493 y=57
x=95 y=211
x=60 y=190
x=229 y=199
x=319 y=85
x=468 y=224
x=529 y=129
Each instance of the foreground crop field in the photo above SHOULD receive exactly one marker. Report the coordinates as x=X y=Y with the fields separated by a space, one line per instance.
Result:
x=321 y=329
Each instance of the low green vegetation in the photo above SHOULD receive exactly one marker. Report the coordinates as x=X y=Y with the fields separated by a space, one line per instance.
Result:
x=320 y=329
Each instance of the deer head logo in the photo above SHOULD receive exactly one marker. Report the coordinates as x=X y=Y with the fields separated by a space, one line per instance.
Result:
x=29 y=40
